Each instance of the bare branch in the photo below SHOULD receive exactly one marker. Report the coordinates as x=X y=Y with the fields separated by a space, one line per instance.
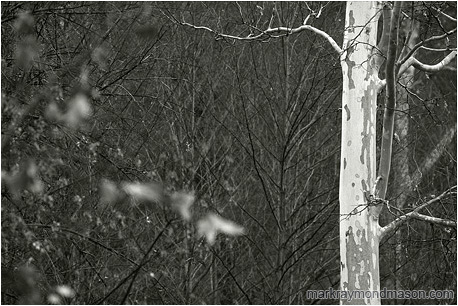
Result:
x=415 y=48
x=438 y=50
x=434 y=68
x=434 y=220
x=421 y=66
x=415 y=214
x=445 y=15
x=448 y=191
x=270 y=32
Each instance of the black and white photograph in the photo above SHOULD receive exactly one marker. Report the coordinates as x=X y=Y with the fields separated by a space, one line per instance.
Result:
x=229 y=153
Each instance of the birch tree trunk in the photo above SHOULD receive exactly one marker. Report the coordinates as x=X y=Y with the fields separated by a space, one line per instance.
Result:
x=359 y=246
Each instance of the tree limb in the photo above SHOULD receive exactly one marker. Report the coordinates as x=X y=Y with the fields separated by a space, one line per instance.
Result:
x=415 y=48
x=428 y=68
x=438 y=49
x=270 y=33
x=434 y=68
x=434 y=220
x=445 y=15
x=412 y=61
x=415 y=214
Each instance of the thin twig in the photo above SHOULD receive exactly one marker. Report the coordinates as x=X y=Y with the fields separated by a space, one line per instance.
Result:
x=415 y=214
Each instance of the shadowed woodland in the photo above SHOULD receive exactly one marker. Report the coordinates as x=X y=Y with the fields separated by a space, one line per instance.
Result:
x=145 y=161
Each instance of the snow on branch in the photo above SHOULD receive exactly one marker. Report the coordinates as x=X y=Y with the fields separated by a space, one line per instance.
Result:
x=270 y=33
x=416 y=215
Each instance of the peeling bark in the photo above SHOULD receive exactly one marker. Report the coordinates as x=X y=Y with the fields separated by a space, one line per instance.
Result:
x=359 y=250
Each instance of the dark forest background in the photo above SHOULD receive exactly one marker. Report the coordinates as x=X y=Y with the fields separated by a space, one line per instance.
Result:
x=97 y=95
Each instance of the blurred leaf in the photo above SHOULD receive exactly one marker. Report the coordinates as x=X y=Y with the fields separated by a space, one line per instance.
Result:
x=26 y=285
x=213 y=224
x=109 y=193
x=181 y=202
x=52 y=112
x=100 y=56
x=24 y=23
x=65 y=291
x=27 y=52
x=54 y=299
x=144 y=192
x=79 y=110
x=26 y=178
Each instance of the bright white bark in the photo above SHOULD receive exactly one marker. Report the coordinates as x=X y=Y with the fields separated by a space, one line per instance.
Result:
x=359 y=246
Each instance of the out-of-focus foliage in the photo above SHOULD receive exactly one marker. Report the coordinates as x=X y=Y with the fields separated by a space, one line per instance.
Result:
x=136 y=139
x=212 y=224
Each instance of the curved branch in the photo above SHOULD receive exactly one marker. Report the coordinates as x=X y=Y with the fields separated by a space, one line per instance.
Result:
x=445 y=15
x=415 y=48
x=438 y=49
x=428 y=68
x=270 y=33
x=434 y=68
x=421 y=66
x=313 y=29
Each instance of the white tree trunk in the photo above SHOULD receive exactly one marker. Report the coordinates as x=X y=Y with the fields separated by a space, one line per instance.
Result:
x=359 y=229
